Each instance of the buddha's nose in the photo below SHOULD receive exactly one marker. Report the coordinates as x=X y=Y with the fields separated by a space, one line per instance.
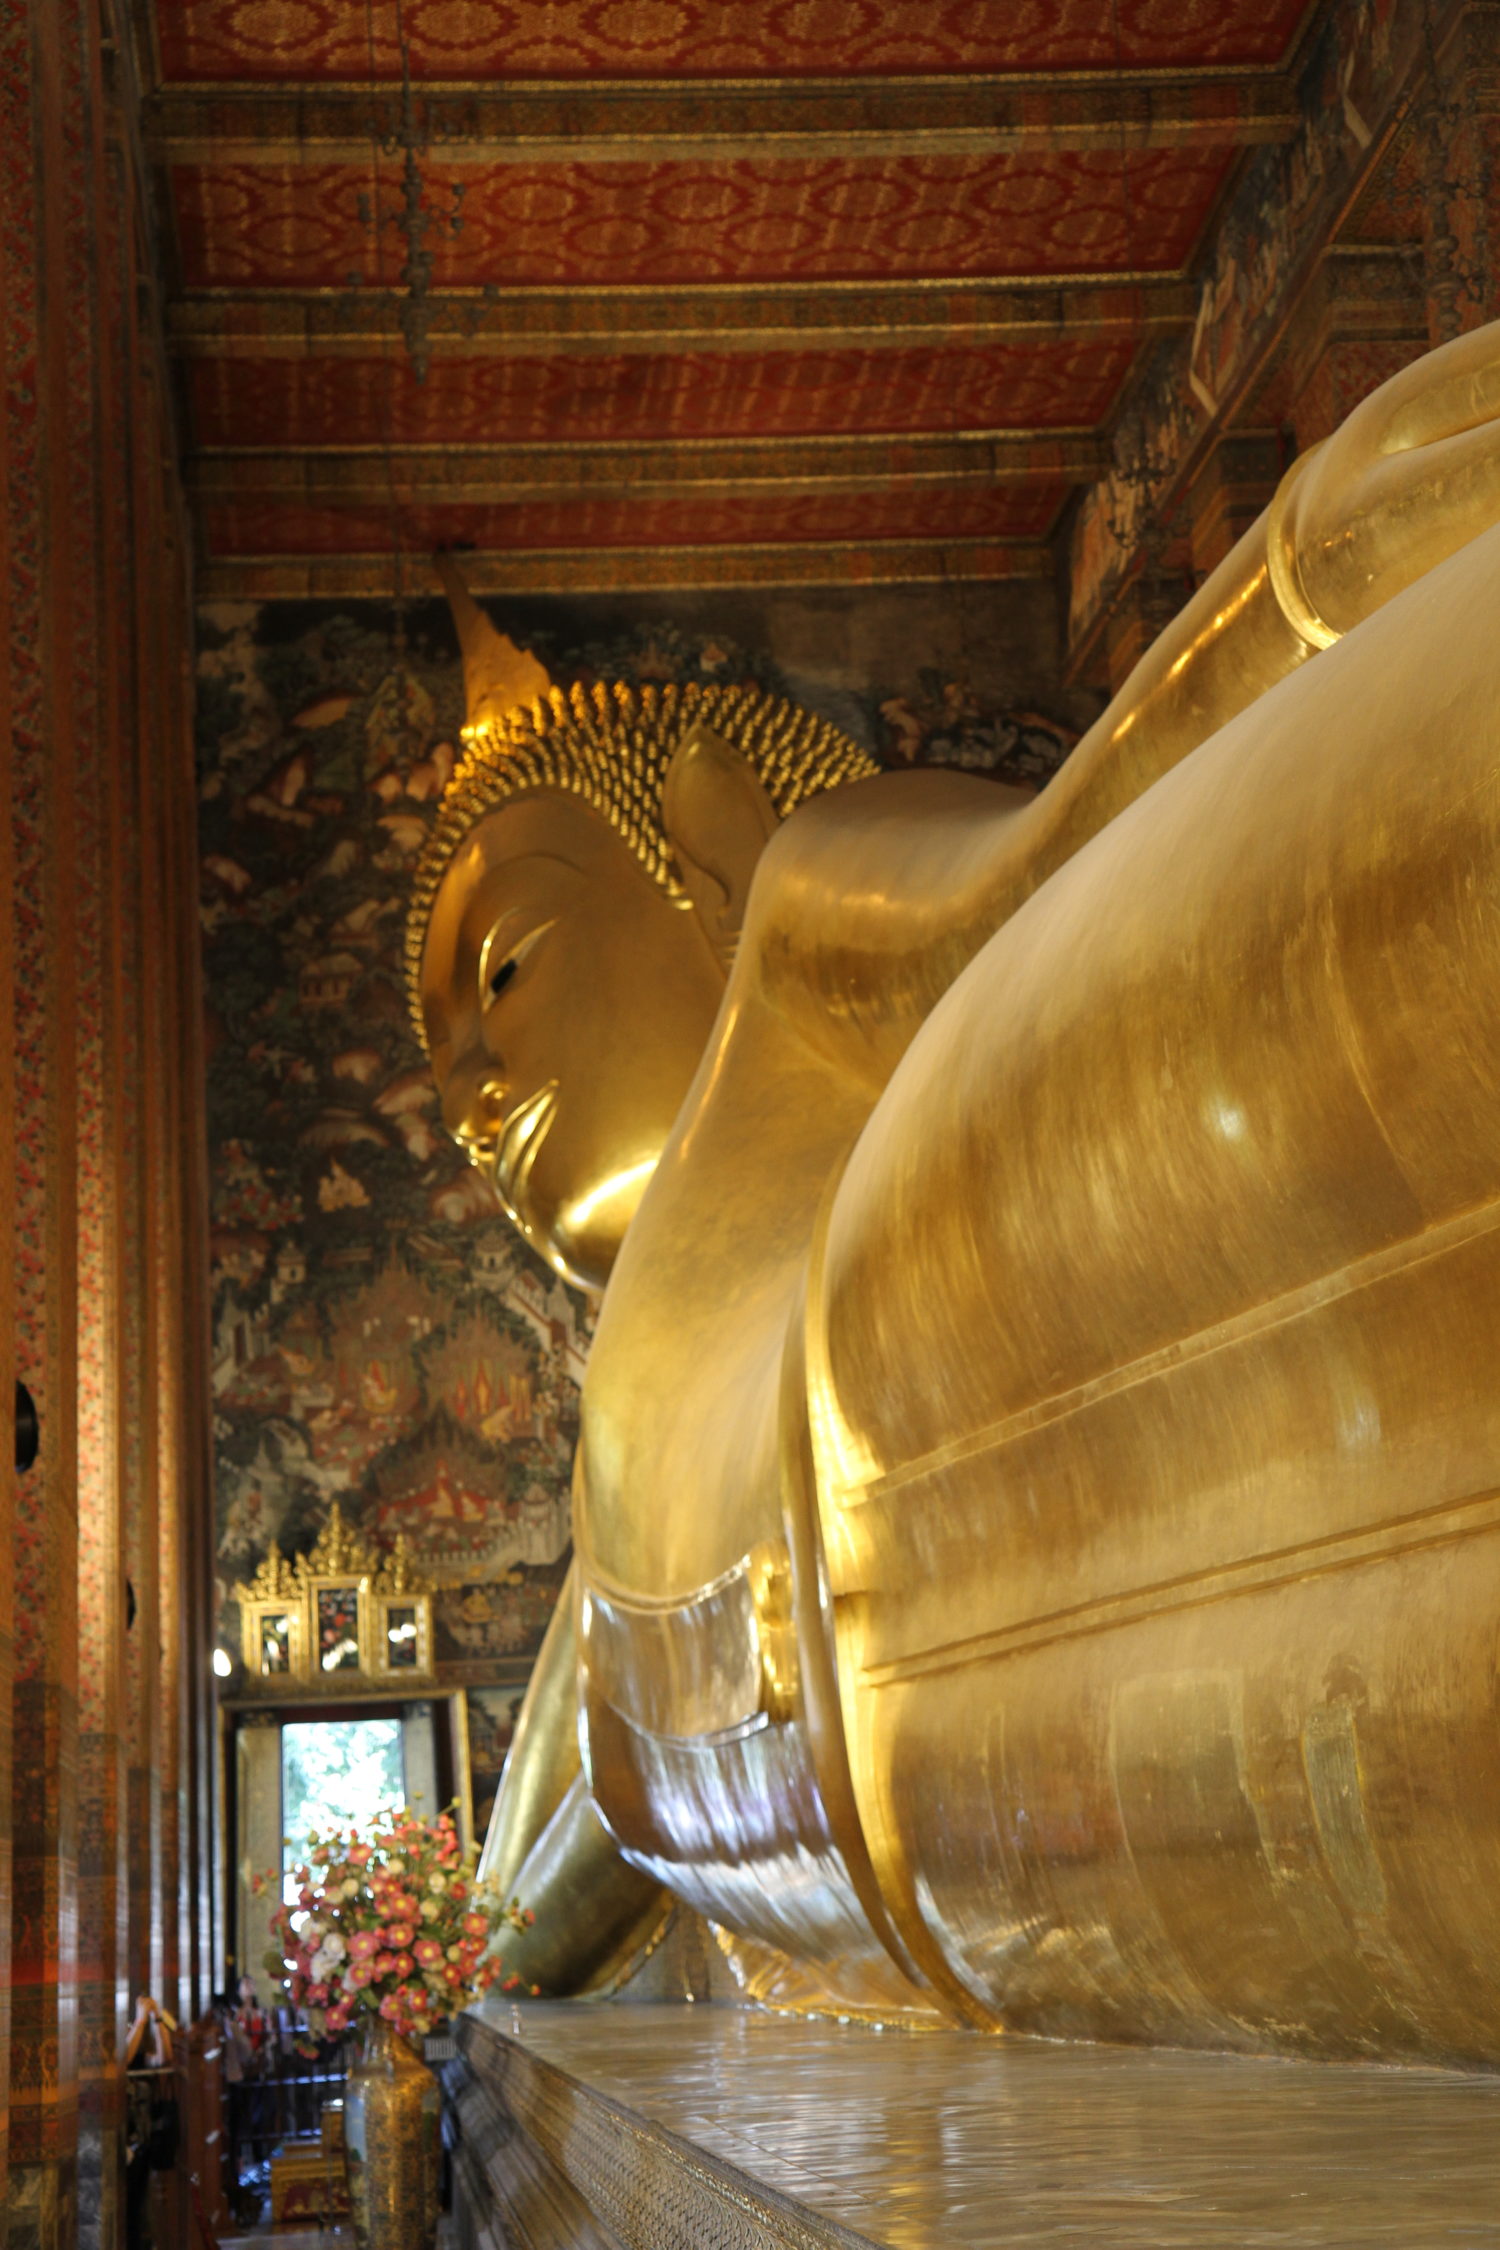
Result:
x=474 y=1107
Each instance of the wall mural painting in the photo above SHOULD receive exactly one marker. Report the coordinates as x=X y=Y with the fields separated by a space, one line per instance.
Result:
x=380 y=1335
x=1281 y=209
x=493 y=1712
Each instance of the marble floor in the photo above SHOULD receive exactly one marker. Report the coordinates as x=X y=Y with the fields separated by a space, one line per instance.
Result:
x=942 y=2141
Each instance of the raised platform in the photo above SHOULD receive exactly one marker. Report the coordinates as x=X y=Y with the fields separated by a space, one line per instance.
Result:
x=655 y=2127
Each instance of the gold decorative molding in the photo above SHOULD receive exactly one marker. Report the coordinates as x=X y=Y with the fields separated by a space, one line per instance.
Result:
x=398 y=1574
x=340 y=1619
x=432 y=474
x=632 y=122
x=337 y=1552
x=276 y=1579
x=465 y=323
x=624 y=570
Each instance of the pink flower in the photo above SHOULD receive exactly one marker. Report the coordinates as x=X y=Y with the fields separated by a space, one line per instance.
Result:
x=428 y=1952
x=357 y=1976
x=403 y=1965
x=476 y=1925
x=337 y=2019
x=382 y=1964
x=398 y=1935
x=364 y=1945
x=453 y=1973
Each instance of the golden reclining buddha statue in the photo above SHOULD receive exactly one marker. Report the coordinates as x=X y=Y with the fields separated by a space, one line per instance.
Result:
x=1037 y=1509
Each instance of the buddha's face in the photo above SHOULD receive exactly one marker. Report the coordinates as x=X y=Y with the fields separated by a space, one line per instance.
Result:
x=567 y=1002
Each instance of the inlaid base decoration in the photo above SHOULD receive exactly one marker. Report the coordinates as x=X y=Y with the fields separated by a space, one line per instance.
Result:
x=548 y=2163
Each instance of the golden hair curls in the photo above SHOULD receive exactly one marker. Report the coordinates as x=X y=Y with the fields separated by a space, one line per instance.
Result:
x=612 y=745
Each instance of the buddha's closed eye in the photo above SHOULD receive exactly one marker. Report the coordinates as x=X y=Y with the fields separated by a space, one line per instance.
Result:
x=501 y=967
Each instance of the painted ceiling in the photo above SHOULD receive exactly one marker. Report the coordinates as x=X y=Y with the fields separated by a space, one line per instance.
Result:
x=658 y=292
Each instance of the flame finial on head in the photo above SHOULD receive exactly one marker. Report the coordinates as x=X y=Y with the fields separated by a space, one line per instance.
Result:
x=498 y=677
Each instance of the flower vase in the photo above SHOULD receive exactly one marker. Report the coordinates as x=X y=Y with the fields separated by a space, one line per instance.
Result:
x=392 y=2109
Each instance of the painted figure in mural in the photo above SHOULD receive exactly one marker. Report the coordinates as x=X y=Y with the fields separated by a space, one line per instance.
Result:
x=1036 y=1546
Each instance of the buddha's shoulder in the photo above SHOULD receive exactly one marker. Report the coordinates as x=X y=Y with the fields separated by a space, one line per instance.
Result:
x=868 y=901
x=891 y=839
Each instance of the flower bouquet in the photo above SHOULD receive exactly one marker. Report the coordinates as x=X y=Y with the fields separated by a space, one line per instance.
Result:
x=394 y=1926
x=388 y=1934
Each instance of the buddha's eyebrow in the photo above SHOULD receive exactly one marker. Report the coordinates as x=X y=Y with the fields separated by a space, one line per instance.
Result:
x=501 y=934
x=492 y=926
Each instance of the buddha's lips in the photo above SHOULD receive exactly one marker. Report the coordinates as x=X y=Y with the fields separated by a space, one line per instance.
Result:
x=519 y=1142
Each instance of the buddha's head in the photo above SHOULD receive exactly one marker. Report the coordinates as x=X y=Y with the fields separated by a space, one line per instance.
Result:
x=574 y=917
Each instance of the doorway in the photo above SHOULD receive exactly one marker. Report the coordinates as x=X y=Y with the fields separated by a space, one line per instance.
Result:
x=337 y=1773
x=300 y=1769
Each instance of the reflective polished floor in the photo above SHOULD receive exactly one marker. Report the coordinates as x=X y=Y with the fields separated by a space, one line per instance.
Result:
x=942 y=2141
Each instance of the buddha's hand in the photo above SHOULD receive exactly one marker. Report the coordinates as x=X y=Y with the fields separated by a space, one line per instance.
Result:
x=1410 y=477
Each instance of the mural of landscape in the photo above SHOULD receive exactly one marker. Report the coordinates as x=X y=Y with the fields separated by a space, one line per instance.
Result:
x=381 y=1336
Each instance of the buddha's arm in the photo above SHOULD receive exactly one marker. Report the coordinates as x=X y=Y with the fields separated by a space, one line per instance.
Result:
x=543 y=1757
x=547 y=1845
x=1412 y=476
x=1408 y=479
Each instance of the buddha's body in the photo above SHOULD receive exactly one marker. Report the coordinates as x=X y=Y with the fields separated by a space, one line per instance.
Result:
x=1037 y=1551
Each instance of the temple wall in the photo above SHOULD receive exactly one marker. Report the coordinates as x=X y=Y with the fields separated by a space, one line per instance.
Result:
x=380 y=1335
x=105 y=1735
x=104 y=1666
x=1337 y=257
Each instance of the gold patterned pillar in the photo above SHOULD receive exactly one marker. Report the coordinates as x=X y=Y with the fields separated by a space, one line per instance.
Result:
x=47 y=632
x=101 y=1133
x=8 y=1240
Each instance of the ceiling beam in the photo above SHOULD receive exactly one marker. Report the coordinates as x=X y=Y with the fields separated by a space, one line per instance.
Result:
x=630 y=122
x=626 y=570
x=529 y=323
x=428 y=476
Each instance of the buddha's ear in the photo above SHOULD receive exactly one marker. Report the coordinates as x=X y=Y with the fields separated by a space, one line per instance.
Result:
x=719 y=820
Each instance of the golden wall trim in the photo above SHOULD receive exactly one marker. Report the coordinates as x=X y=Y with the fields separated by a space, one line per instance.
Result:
x=464 y=323
x=626 y=570
x=634 y=120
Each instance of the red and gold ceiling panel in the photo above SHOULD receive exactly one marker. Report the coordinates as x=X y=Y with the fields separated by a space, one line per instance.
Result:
x=792 y=157
x=333 y=226
x=465 y=40
x=316 y=403
x=757 y=519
